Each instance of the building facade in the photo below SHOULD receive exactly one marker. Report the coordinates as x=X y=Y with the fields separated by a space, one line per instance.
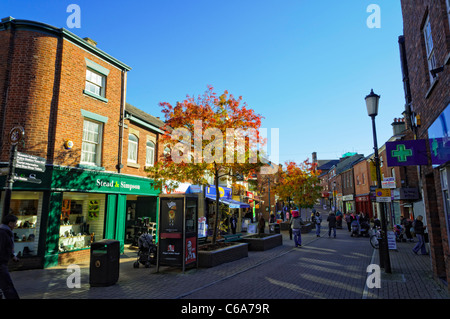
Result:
x=69 y=98
x=425 y=56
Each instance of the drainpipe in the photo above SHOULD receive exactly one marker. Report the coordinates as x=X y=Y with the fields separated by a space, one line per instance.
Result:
x=122 y=119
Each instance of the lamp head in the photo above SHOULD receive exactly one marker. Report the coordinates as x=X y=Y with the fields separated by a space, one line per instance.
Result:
x=372 y=103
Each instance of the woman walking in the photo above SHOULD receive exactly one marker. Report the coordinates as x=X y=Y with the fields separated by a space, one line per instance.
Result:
x=296 y=225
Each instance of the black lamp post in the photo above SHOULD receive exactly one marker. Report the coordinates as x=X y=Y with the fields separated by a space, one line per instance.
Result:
x=334 y=196
x=372 y=110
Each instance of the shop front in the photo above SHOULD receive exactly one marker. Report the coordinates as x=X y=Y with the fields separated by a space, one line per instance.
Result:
x=363 y=204
x=230 y=205
x=71 y=208
x=349 y=203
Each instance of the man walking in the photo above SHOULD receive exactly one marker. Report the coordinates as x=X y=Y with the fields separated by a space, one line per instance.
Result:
x=331 y=224
x=6 y=252
x=419 y=229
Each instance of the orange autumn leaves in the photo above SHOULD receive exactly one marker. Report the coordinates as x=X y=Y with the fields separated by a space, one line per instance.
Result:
x=299 y=183
x=201 y=138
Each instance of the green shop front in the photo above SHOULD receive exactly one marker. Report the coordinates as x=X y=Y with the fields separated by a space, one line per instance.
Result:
x=67 y=208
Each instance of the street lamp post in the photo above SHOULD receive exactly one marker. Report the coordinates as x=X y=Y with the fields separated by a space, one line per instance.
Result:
x=372 y=109
x=334 y=196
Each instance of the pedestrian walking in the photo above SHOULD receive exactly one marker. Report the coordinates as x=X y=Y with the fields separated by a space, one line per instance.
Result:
x=331 y=224
x=407 y=224
x=313 y=216
x=233 y=223
x=419 y=229
x=261 y=223
x=339 y=219
x=296 y=225
x=318 y=221
x=272 y=218
x=6 y=253
x=348 y=220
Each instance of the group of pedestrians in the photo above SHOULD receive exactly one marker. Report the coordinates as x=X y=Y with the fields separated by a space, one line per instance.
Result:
x=316 y=220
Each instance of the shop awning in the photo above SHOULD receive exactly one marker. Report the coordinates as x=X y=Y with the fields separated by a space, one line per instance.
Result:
x=230 y=202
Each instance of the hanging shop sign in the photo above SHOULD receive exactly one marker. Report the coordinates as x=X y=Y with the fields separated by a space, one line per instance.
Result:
x=439 y=138
x=388 y=182
x=406 y=193
x=406 y=153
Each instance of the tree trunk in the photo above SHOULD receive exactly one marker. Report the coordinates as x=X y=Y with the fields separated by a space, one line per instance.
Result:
x=216 y=224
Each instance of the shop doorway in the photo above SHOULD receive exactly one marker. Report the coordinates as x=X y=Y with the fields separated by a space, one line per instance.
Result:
x=141 y=217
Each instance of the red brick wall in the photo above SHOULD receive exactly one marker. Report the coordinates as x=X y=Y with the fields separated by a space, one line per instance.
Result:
x=72 y=100
x=29 y=95
x=429 y=106
x=75 y=257
x=45 y=96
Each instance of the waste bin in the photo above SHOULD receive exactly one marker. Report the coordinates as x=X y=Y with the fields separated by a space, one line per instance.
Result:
x=274 y=228
x=104 y=265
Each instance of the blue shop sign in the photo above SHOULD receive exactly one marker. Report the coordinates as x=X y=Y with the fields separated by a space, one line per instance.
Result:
x=224 y=192
x=439 y=138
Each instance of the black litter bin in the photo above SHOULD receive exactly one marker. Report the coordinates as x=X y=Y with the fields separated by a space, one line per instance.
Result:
x=274 y=228
x=104 y=265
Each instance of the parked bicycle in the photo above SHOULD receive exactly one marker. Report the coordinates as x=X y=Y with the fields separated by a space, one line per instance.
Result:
x=375 y=237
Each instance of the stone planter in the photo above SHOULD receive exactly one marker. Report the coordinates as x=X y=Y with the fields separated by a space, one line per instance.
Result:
x=264 y=242
x=306 y=228
x=235 y=251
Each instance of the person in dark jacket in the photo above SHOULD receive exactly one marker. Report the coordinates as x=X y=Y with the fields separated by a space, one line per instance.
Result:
x=233 y=223
x=419 y=229
x=6 y=253
x=331 y=224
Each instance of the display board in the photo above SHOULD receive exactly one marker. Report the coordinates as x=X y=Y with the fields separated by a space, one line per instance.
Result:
x=178 y=230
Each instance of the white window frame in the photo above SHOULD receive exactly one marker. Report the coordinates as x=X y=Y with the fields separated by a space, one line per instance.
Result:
x=95 y=80
x=133 y=145
x=97 y=144
x=448 y=11
x=429 y=47
x=150 y=153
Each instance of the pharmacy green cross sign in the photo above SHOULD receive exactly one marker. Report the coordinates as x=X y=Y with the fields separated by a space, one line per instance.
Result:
x=406 y=152
x=401 y=153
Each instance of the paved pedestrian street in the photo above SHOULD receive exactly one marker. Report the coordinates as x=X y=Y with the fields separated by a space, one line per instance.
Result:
x=323 y=268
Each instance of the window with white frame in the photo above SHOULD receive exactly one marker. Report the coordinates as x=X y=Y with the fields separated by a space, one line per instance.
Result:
x=132 y=148
x=429 y=47
x=95 y=83
x=150 y=156
x=448 y=12
x=91 y=143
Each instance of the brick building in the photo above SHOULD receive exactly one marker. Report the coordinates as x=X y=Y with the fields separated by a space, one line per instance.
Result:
x=425 y=56
x=69 y=97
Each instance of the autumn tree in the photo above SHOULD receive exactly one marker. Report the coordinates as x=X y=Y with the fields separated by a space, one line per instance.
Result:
x=299 y=183
x=215 y=135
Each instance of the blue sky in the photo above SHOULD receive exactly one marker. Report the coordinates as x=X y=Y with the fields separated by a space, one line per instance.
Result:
x=304 y=65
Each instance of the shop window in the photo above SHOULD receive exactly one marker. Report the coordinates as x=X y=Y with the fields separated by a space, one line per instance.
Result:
x=82 y=220
x=27 y=207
